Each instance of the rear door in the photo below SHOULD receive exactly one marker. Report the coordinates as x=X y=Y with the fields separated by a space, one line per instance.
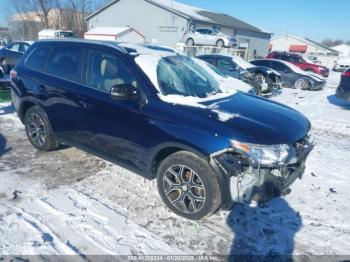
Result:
x=61 y=87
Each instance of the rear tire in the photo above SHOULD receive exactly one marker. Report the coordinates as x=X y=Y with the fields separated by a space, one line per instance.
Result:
x=39 y=130
x=188 y=186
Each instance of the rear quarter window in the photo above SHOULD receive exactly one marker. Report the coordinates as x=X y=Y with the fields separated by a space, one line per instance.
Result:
x=66 y=62
x=37 y=59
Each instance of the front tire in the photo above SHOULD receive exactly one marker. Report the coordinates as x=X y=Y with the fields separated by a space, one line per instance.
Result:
x=188 y=186
x=302 y=84
x=220 y=43
x=38 y=130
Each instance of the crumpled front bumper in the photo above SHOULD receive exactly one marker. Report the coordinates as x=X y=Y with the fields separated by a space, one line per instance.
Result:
x=249 y=183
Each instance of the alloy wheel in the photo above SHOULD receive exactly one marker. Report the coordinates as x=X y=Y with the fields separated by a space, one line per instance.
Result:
x=184 y=189
x=36 y=129
x=301 y=84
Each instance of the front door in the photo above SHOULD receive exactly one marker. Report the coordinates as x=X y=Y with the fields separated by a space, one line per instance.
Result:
x=119 y=128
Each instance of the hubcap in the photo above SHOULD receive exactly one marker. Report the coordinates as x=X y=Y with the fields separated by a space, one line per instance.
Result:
x=300 y=84
x=184 y=189
x=36 y=129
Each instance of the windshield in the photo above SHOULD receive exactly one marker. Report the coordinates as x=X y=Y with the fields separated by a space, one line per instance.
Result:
x=180 y=75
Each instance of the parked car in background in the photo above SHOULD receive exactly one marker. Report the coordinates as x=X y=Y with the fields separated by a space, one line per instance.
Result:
x=311 y=59
x=265 y=81
x=51 y=33
x=209 y=37
x=300 y=62
x=226 y=81
x=163 y=116
x=342 y=64
x=3 y=42
x=11 y=53
x=343 y=90
x=293 y=76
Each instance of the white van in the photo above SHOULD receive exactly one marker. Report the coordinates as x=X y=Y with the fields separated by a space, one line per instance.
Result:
x=50 y=33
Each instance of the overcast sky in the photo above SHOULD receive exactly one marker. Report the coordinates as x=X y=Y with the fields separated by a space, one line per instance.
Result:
x=317 y=19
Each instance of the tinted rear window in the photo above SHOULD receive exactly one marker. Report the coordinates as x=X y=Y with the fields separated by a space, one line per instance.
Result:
x=38 y=58
x=66 y=62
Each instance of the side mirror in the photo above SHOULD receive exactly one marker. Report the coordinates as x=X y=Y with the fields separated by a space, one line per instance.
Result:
x=125 y=92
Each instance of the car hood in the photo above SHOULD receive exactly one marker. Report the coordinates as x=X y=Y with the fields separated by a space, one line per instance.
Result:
x=251 y=119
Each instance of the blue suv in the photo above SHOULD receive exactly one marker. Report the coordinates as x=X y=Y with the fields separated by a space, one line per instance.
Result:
x=162 y=115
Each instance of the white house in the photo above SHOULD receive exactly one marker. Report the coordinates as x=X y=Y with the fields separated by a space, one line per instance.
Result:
x=165 y=21
x=297 y=44
x=121 y=34
x=344 y=50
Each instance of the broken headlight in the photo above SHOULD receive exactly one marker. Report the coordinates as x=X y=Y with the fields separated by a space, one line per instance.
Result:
x=263 y=154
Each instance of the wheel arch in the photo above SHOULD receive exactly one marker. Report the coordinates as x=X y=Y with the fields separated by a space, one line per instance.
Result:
x=190 y=38
x=222 y=40
x=23 y=109
x=165 y=150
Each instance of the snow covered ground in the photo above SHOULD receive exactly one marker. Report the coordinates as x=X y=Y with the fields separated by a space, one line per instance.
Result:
x=69 y=202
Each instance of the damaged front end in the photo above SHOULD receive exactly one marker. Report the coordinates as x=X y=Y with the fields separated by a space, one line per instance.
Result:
x=259 y=173
x=265 y=85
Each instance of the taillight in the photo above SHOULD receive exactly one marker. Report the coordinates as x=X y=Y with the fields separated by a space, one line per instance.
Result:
x=346 y=73
x=13 y=74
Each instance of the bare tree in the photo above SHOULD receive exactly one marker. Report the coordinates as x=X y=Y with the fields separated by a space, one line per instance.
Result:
x=330 y=42
x=29 y=17
x=75 y=13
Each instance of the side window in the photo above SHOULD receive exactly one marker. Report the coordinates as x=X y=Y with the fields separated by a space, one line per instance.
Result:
x=210 y=60
x=224 y=64
x=285 y=58
x=276 y=56
x=66 y=62
x=38 y=58
x=105 y=71
x=13 y=47
x=24 y=47
x=279 y=66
